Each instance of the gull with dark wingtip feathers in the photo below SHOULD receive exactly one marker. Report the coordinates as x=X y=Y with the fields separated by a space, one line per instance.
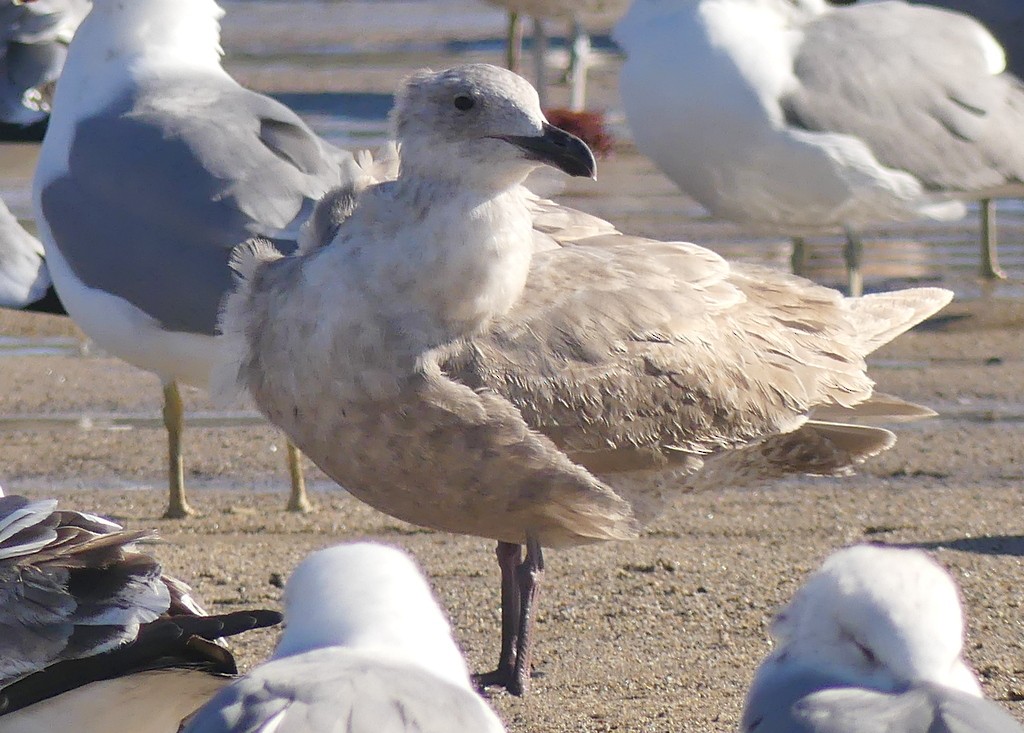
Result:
x=94 y=634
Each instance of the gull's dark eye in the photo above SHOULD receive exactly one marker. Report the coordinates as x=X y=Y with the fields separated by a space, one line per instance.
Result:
x=464 y=102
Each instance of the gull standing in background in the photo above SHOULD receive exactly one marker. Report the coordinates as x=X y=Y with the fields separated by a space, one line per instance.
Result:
x=94 y=634
x=581 y=14
x=365 y=649
x=873 y=641
x=155 y=165
x=33 y=43
x=24 y=280
x=449 y=367
x=799 y=117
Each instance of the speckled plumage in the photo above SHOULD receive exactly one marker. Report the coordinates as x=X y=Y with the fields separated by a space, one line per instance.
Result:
x=617 y=355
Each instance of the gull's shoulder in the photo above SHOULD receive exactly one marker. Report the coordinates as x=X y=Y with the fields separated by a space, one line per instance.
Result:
x=795 y=699
x=371 y=692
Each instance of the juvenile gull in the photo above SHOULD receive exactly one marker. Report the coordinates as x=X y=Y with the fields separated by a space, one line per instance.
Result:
x=451 y=365
x=799 y=117
x=155 y=165
x=365 y=649
x=873 y=641
x=94 y=634
x=24 y=280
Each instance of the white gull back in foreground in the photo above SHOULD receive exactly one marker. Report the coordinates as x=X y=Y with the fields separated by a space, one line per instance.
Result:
x=156 y=163
x=94 y=634
x=447 y=364
x=873 y=641
x=800 y=117
x=365 y=649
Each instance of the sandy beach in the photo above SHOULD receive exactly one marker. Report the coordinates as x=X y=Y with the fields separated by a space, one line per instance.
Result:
x=661 y=634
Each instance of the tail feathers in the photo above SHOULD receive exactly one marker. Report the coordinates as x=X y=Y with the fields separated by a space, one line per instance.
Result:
x=881 y=317
x=816 y=448
x=246 y=261
x=879 y=407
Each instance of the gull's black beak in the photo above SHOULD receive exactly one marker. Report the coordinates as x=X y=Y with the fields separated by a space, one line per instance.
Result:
x=557 y=148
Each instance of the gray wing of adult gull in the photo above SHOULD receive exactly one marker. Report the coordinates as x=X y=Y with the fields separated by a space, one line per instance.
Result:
x=1004 y=18
x=209 y=168
x=72 y=585
x=342 y=691
x=23 y=275
x=806 y=701
x=918 y=86
x=92 y=631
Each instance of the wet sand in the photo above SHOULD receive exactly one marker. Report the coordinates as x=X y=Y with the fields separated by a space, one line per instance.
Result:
x=661 y=634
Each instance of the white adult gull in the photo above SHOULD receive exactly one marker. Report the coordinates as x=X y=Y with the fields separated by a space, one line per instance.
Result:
x=24 y=279
x=95 y=636
x=451 y=365
x=365 y=649
x=799 y=117
x=155 y=165
x=872 y=642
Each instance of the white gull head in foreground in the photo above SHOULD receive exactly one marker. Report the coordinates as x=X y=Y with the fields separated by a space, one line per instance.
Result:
x=448 y=366
x=365 y=649
x=800 y=117
x=94 y=634
x=156 y=163
x=872 y=641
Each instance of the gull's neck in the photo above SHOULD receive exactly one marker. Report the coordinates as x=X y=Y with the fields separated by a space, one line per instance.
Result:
x=119 y=46
x=149 y=33
x=450 y=258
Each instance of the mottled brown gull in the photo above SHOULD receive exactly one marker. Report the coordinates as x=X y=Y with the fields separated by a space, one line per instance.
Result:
x=872 y=642
x=94 y=634
x=452 y=366
x=365 y=649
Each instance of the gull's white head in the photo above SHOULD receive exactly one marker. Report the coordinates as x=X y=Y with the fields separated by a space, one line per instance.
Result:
x=480 y=123
x=369 y=597
x=879 y=617
x=185 y=32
